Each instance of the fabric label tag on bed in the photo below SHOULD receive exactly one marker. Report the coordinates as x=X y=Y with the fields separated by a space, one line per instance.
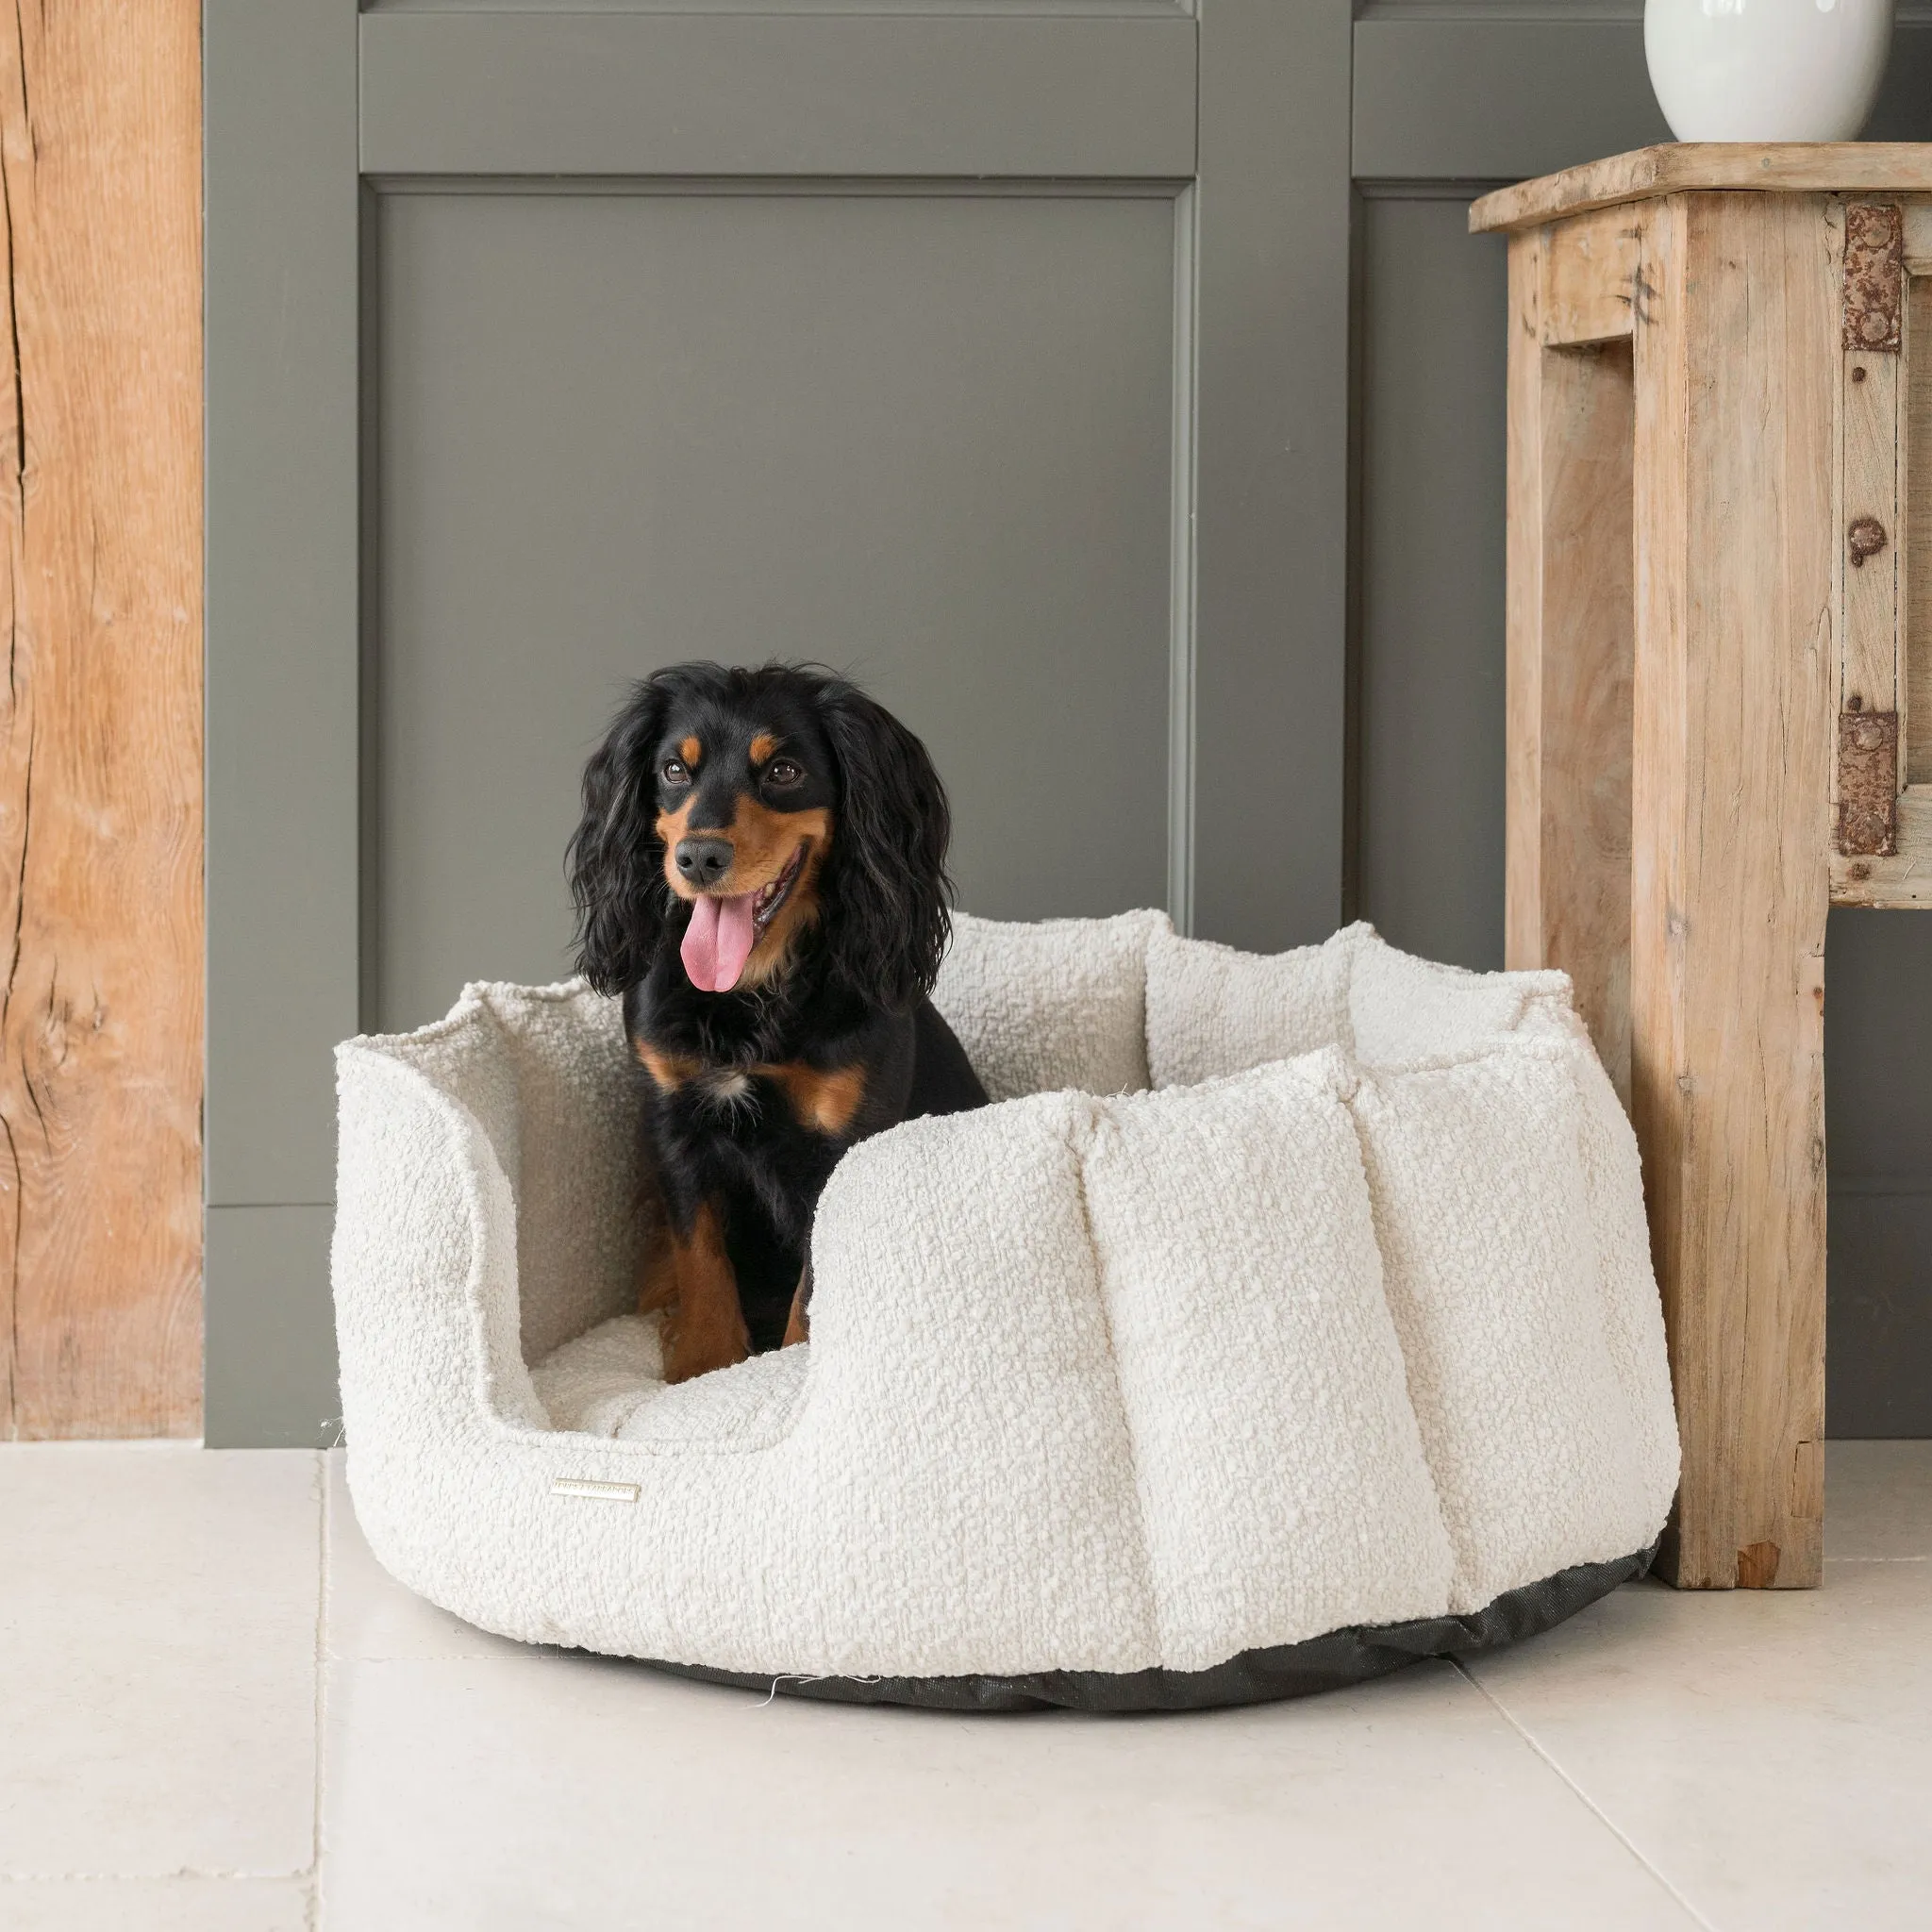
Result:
x=602 y=1492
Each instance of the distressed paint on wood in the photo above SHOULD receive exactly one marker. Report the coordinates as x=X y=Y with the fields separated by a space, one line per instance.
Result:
x=100 y=734
x=1736 y=664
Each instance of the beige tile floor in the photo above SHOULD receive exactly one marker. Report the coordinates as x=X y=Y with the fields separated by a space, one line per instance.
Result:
x=217 y=1712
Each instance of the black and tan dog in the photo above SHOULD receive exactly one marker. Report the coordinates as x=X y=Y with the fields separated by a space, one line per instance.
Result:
x=760 y=872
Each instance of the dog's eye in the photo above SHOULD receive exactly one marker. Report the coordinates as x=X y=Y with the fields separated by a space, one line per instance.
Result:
x=783 y=772
x=674 y=773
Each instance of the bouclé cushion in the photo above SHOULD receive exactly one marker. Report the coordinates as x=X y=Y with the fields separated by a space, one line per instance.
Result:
x=1286 y=1319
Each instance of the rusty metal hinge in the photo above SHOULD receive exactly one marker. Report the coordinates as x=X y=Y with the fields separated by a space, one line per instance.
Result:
x=1868 y=783
x=1874 y=277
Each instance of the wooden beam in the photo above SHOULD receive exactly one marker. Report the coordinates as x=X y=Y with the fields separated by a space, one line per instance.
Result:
x=1868 y=525
x=1588 y=646
x=1738 y=366
x=100 y=721
x=1853 y=167
x=1592 y=277
x=1522 y=614
x=1570 y=624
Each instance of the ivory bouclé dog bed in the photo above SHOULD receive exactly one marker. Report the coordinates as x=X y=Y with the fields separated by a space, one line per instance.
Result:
x=1286 y=1318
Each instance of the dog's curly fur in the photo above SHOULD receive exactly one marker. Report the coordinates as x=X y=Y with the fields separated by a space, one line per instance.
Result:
x=815 y=798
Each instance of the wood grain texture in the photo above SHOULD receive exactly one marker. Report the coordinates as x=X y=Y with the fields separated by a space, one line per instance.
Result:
x=1523 y=915
x=1570 y=616
x=100 y=736
x=1588 y=646
x=1917 y=219
x=1736 y=370
x=1592 y=276
x=1857 y=167
x=1870 y=497
x=1870 y=519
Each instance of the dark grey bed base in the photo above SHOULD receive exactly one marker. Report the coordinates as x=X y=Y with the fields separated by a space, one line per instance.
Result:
x=1253 y=1676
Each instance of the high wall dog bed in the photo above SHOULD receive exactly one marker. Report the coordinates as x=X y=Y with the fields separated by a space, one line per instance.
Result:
x=1291 y=1318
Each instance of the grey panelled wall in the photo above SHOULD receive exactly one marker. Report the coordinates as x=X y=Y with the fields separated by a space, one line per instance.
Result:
x=995 y=351
x=996 y=368
x=504 y=407
x=1878 y=1138
x=1429 y=851
x=280 y=225
x=1450 y=98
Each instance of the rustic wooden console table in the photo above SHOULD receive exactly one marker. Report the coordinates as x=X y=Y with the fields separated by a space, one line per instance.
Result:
x=1719 y=720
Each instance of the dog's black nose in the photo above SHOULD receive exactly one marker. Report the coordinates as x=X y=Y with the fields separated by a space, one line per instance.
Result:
x=704 y=861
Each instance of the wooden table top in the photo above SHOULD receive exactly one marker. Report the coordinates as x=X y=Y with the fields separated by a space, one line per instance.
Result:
x=1857 y=167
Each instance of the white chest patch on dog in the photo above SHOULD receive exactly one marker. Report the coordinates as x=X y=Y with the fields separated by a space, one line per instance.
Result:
x=729 y=1087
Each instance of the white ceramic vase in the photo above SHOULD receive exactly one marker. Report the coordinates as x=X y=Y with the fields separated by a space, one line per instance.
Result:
x=1765 y=70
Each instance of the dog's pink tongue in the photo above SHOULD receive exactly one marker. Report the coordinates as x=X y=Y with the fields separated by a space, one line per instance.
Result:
x=718 y=941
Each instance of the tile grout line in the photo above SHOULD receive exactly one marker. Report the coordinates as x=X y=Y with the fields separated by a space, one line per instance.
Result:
x=313 y=1914
x=1582 y=1796
x=181 y=1875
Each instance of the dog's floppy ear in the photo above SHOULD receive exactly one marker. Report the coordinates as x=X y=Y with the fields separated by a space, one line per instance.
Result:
x=616 y=858
x=887 y=869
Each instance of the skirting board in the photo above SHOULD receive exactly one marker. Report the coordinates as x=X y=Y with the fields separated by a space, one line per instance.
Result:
x=270 y=1360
